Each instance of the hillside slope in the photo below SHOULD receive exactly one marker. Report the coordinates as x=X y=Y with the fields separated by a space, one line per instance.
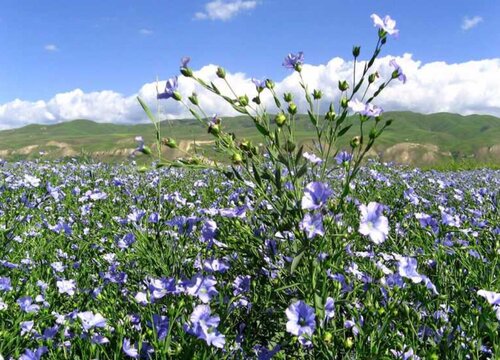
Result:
x=413 y=138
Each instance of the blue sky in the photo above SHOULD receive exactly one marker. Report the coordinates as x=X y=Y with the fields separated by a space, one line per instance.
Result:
x=56 y=46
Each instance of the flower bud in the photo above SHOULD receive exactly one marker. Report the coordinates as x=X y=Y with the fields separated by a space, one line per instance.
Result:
x=288 y=97
x=187 y=72
x=280 y=119
x=169 y=142
x=292 y=108
x=236 y=158
x=214 y=129
x=330 y=116
x=355 y=142
x=245 y=145
x=221 y=72
x=355 y=51
x=373 y=133
x=348 y=343
x=290 y=146
x=317 y=94
x=298 y=67
x=194 y=99
x=256 y=100
x=146 y=150
x=269 y=84
x=343 y=85
x=327 y=338
x=373 y=77
x=177 y=96
x=344 y=102
x=243 y=100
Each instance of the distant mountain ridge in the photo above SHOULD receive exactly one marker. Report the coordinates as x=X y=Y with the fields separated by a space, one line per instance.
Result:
x=412 y=138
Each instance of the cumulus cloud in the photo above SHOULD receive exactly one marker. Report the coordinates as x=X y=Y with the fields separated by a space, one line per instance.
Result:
x=465 y=88
x=51 y=48
x=224 y=10
x=469 y=23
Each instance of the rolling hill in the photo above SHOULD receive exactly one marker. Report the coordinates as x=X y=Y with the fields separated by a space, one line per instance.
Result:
x=413 y=138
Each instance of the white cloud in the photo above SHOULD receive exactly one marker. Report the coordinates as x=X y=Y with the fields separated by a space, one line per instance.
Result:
x=469 y=23
x=51 y=48
x=464 y=88
x=224 y=10
x=146 y=32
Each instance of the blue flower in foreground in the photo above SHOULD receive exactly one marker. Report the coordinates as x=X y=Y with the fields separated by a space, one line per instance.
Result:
x=204 y=326
x=66 y=287
x=409 y=355
x=368 y=109
x=312 y=158
x=301 y=321
x=315 y=195
x=202 y=287
x=329 y=308
x=343 y=157
x=398 y=72
x=89 y=320
x=387 y=24
x=33 y=355
x=129 y=349
x=493 y=299
x=292 y=61
x=26 y=305
x=5 y=284
x=170 y=87
x=312 y=225
x=407 y=268
x=373 y=223
x=161 y=324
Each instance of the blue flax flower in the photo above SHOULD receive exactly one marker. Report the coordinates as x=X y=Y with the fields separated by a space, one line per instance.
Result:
x=315 y=195
x=204 y=326
x=312 y=225
x=170 y=87
x=292 y=61
x=373 y=223
x=301 y=321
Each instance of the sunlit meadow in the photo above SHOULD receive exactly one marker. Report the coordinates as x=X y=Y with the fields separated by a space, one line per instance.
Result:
x=280 y=252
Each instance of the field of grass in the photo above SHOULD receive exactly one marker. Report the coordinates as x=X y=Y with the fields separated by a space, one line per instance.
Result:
x=415 y=139
x=98 y=261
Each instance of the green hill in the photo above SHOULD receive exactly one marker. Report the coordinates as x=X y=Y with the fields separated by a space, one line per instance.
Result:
x=413 y=138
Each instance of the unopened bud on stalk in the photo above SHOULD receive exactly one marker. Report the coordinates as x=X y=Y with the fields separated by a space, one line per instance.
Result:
x=343 y=85
x=243 y=100
x=269 y=84
x=187 y=72
x=194 y=99
x=355 y=51
x=288 y=97
x=146 y=150
x=317 y=94
x=177 y=96
x=221 y=72
x=373 y=77
x=348 y=343
x=327 y=338
x=214 y=129
x=298 y=67
x=169 y=142
x=292 y=108
x=355 y=142
x=236 y=158
x=245 y=145
x=330 y=116
x=280 y=119
x=344 y=102
x=290 y=146
x=256 y=100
